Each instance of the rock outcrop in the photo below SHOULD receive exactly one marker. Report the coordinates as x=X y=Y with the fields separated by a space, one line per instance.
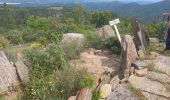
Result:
x=8 y=75
x=105 y=32
x=141 y=37
x=73 y=38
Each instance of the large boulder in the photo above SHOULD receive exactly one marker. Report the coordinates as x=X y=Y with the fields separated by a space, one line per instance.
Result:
x=8 y=75
x=73 y=38
x=141 y=37
x=105 y=32
x=22 y=70
x=129 y=54
x=84 y=94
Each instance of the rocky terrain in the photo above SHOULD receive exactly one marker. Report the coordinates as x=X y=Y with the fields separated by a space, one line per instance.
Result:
x=133 y=75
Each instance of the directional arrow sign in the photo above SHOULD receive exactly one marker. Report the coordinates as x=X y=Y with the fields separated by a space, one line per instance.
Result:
x=114 y=22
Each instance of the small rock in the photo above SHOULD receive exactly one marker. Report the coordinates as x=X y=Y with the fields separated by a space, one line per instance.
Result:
x=115 y=82
x=132 y=70
x=142 y=72
x=140 y=64
x=105 y=90
x=85 y=94
x=72 y=98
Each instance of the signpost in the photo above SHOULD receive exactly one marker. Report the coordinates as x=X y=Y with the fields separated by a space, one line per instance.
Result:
x=113 y=23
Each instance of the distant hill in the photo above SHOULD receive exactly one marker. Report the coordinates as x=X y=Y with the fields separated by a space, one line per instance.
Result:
x=143 y=12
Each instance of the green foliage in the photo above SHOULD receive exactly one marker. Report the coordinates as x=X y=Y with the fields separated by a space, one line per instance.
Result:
x=11 y=54
x=15 y=36
x=87 y=82
x=112 y=44
x=44 y=62
x=38 y=23
x=96 y=95
x=155 y=29
x=72 y=50
x=4 y=43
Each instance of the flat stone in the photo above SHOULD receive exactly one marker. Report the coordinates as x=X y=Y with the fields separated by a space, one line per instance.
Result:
x=146 y=85
x=158 y=77
x=122 y=93
x=142 y=72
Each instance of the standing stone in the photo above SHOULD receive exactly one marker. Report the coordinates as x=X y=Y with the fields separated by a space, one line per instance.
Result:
x=8 y=76
x=84 y=94
x=105 y=32
x=22 y=71
x=129 y=54
x=141 y=37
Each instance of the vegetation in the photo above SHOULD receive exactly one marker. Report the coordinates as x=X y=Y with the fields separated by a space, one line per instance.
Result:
x=38 y=32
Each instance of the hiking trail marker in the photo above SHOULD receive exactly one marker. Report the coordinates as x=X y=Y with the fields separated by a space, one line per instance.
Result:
x=113 y=23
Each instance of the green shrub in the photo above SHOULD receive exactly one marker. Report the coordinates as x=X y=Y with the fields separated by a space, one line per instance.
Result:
x=72 y=51
x=15 y=36
x=112 y=44
x=87 y=82
x=57 y=86
x=45 y=61
x=96 y=95
x=4 y=43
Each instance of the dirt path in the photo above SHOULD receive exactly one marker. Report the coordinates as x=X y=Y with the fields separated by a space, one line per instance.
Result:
x=97 y=62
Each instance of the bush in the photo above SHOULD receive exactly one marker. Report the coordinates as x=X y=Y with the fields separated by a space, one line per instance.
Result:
x=72 y=51
x=112 y=44
x=15 y=37
x=57 y=86
x=4 y=43
x=96 y=95
x=87 y=82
